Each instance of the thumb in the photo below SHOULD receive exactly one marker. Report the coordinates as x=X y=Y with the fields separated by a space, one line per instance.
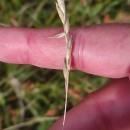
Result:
x=106 y=109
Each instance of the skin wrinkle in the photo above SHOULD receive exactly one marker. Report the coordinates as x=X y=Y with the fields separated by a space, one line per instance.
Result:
x=29 y=38
x=24 y=55
x=81 y=51
x=74 y=51
x=80 y=65
x=73 y=65
x=78 y=51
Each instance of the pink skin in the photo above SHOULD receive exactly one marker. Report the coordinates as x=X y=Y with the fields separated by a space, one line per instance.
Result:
x=101 y=50
x=106 y=109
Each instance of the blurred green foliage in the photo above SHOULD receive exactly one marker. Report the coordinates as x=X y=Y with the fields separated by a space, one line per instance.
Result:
x=29 y=92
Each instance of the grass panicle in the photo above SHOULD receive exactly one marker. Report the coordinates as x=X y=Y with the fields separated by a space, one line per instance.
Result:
x=60 y=6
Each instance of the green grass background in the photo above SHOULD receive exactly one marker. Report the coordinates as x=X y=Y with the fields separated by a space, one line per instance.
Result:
x=28 y=92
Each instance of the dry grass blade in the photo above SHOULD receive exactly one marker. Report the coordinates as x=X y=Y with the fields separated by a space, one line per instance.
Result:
x=60 y=6
x=31 y=122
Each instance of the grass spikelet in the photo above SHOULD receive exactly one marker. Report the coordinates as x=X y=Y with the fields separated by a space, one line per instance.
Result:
x=60 y=6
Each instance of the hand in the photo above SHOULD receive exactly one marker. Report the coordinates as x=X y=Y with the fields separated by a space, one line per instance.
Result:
x=102 y=50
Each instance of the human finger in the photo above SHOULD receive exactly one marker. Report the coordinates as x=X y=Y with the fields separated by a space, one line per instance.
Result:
x=106 y=109
x=101 y=49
